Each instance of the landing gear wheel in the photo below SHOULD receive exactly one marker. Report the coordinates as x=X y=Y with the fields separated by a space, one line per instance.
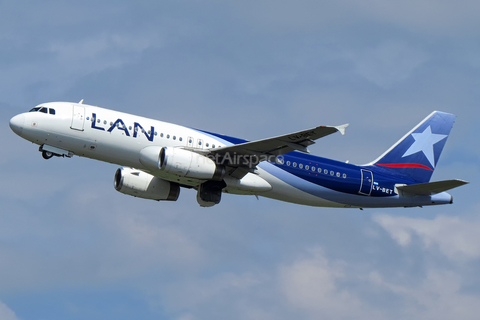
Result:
x=47 y=155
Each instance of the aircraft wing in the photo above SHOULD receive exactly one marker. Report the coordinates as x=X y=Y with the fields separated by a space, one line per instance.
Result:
x=237 y=155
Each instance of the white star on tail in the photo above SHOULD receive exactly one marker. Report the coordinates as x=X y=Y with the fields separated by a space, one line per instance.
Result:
x=424 y=142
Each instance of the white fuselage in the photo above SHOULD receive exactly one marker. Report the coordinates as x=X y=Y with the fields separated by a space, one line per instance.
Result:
x=119 y=138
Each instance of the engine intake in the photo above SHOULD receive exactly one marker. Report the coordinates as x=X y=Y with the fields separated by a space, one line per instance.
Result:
x=143 y=185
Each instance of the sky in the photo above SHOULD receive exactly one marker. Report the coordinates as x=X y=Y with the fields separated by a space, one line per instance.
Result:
x=71 y=247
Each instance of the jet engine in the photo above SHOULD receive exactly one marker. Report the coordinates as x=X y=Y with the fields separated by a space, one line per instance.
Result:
x=189 y=164
x=182 y=163
x=143 y=185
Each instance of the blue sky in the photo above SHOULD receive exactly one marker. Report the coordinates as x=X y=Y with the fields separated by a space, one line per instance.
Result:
x=71 y=247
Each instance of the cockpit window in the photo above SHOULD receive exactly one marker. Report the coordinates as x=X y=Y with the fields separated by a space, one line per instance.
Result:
x=43 y=110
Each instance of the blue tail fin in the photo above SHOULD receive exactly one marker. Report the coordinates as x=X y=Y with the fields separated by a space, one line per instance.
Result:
x=415 y=156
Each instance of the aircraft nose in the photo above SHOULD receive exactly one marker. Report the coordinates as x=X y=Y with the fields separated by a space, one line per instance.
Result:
x=17 y=123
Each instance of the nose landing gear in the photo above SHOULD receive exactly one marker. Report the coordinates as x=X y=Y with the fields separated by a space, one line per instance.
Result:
x=49 y=151
x=47 y=155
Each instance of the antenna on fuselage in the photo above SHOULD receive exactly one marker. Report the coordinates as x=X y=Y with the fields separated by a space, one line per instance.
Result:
x=81 y=102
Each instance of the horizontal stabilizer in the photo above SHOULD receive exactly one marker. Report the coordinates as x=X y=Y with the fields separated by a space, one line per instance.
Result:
x=429 y=188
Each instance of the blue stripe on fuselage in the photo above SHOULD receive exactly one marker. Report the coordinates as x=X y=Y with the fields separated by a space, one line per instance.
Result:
x=347 y=199
x=334 y=175
x=227 y=140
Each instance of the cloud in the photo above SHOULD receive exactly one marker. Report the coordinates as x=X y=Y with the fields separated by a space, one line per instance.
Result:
x=388 y=63
x=439 y=295
x=195 y=293
x=315 y=286
x=423 y=16
x=319 y=287
x=98 y=52
x=6 y=313
x=455 y=237
x=141 y=245
x=308 y=287
x=426 y=16
x=52 y=67
x=311 y=284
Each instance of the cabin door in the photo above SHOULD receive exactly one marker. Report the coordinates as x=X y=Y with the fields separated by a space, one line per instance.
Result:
x=78 y=118
x=367 y=182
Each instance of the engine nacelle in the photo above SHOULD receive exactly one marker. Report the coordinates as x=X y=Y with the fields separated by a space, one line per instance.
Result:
x=143 y=185
x=184 y=163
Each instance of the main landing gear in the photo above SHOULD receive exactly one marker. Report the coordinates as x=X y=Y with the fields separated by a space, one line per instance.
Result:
x=210 y=193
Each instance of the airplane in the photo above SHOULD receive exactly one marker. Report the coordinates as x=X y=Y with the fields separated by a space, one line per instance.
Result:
x=157 y=159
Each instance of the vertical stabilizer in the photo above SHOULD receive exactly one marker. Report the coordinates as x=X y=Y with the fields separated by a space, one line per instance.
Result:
x=415 y=156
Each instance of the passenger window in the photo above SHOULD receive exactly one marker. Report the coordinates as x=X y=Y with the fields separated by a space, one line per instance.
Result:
x=44 y=110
